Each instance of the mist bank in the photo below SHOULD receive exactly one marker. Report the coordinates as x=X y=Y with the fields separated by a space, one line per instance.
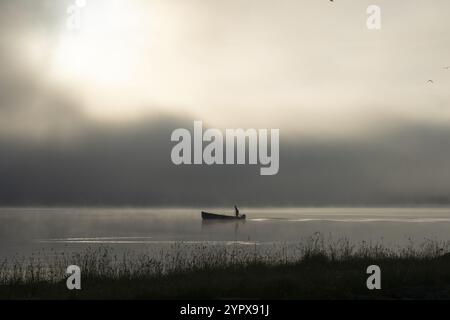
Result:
x=131 y=165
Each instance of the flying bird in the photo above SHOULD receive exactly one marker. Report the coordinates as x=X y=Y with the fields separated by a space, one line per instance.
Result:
x=430 y=81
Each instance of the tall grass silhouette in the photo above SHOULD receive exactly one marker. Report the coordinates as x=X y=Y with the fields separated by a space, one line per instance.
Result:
x=201 y=270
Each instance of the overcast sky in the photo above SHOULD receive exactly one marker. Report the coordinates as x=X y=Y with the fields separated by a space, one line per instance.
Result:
x=86 y=115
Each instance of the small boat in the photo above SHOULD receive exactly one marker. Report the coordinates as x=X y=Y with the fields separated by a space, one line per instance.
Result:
x=215 y=216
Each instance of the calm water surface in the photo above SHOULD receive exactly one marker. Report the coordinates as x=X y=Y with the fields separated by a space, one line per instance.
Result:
x=27 y=230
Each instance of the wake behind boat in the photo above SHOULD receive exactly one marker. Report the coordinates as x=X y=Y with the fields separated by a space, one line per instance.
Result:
x=215 y=216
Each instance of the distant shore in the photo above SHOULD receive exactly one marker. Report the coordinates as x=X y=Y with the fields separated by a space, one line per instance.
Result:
x=323 y=271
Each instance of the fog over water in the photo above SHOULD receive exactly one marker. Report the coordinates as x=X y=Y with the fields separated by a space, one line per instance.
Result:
x=86 y=117
x=27 y=231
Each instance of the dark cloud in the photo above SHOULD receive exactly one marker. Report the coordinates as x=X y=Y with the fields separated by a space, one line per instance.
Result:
x=52 y=154
x=131 y=165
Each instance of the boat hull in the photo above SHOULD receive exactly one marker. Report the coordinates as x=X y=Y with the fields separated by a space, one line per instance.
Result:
x=215 y=216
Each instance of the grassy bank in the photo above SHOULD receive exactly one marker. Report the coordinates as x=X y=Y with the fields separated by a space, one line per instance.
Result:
x=320 y=271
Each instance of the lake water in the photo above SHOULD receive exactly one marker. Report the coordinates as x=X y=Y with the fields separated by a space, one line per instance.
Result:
x=24 y=231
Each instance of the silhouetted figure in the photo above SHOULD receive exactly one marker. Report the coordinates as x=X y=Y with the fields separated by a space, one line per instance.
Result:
x=236 y=211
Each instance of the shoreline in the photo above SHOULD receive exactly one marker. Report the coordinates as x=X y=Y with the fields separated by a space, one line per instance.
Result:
x=314 y=278
x=321 y=270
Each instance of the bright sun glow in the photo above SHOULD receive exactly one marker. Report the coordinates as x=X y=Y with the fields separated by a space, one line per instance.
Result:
x=103 y=55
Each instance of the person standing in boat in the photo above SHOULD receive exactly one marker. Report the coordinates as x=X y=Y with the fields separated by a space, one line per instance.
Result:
x=236 y=211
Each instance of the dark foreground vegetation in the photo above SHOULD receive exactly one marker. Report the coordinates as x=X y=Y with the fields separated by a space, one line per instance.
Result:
x=320 y=271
